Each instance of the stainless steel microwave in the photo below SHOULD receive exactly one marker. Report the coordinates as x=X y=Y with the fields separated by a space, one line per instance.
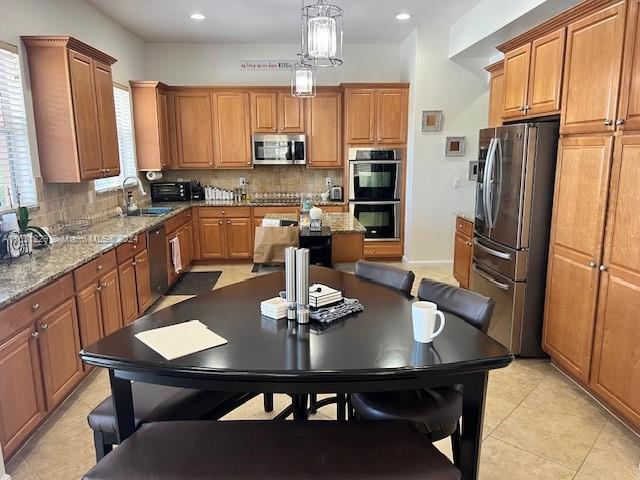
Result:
x=270 y=149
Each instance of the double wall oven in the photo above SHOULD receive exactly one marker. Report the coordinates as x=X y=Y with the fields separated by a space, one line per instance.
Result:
x=375 y=187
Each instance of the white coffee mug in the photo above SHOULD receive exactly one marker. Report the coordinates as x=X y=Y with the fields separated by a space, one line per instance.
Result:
x=424 y=321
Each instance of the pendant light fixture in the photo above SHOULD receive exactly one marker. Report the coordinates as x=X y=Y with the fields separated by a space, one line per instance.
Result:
x=303 y=79
x=322 y=34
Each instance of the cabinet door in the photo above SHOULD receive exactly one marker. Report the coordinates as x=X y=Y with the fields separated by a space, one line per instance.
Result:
x=110 y=302
x=629 y=110
x=162 y=101
x=194 y=129
x=264 y=112
x=239 y=235
x=462 y=259
x=391 y=115
x=212 y=238
x=361 y=115
x=496 y=98
x=592 y=71
x=188 y=242
x=85 y=116
x=59 y=342
x=106 y=119
x=172 y=275
x=290 y=113
x=516 y=81
x=21 y=398
x=324 y=146
x=580 y=200
x=128 y=296
x=545 y=74
x=143 y=280
x=232 y=129
x=615 y=374
x=89 y=314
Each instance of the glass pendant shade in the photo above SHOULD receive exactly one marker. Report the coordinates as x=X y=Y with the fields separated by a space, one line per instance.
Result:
x=303 y=80
x=322 y=34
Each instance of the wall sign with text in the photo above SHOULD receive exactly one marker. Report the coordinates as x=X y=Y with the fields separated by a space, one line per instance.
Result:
x=265 y=65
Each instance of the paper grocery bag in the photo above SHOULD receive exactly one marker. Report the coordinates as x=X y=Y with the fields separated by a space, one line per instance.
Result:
x=270 y=243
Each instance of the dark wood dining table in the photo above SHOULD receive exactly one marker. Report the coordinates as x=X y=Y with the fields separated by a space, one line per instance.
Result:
x=368 y=352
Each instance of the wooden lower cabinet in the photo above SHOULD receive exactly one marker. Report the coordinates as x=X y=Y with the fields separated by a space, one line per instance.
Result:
x=347 y=247
x=462 y=254
x=226 y=238
x=128 y=291
x=239 y=238
x=59 y=344
x=143 y=281
x=110 y=304
x=212 y=238
x=22 y=404
x=89 y=314
x=383 y=249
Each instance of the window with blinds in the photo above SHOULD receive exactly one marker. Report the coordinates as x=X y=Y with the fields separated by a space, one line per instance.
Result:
x=125 y=142
x=17 y=185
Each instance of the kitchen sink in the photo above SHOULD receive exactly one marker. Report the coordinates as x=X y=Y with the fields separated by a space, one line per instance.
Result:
x=151 y=212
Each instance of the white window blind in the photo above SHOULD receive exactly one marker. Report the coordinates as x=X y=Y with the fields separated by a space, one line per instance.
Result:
x=125 y=142
x=17 y=186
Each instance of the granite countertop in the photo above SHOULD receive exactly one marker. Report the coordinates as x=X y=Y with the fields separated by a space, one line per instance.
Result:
x=27 y=274
x=338 y=222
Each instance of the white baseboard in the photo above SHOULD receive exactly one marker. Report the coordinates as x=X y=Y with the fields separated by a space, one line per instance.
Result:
x=428 y=263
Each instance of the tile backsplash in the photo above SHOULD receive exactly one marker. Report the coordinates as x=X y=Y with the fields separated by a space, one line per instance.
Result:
x=66 y=201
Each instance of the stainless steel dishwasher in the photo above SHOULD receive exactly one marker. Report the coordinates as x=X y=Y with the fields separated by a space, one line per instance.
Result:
x=157 y=248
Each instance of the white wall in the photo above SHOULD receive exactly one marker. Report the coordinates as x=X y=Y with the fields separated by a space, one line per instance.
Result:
x=206 y=64
x=437 y=83
x=78 y=19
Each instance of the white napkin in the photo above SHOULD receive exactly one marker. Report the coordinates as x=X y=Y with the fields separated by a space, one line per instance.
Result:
x=181 y=339
x=175 y=254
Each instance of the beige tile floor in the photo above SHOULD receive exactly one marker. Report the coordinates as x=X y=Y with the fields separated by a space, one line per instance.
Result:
x=538 y=424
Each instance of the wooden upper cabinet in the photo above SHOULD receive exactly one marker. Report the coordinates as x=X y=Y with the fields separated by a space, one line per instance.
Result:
x=545 y=74
x=391 y=115
x=106 y=119
x=579 y=208
x=264 y=112
x=74 y=109
x=291 y=116
x=615 y=375
x=592 y=71
x=194 y=128
x=232 y=129
x=59 y=342
x=629 y=109
x=324 y=130
x=516 y=81
x=153 y=115
x=496 y=93
x=360 y=115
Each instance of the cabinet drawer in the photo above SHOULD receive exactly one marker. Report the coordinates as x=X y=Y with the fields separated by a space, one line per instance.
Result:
x=127 y=250
x=88 y=272
x=464 y=226
x=262 y=211
x=383 y=249
x=216 y=212
x=21 y=313
x=176 y=222
x=332 y=208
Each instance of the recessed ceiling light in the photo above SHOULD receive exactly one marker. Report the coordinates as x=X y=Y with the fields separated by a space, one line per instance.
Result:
x=403 y=16
x=197 y=16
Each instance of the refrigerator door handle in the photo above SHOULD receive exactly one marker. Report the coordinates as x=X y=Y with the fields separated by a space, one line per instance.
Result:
x=497 y=165
x=487 y=181
x=491 y=251
x=492 y=281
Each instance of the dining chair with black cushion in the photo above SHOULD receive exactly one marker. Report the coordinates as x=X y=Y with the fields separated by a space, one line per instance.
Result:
x=436 y=411
x=388 y=276
x=157 y=403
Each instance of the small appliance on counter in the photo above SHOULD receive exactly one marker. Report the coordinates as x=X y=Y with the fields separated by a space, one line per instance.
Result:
x=335 y=194
x=170 y=191
x=197 y=190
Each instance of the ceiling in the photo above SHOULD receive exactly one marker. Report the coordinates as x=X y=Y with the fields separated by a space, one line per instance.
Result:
x=273 y=21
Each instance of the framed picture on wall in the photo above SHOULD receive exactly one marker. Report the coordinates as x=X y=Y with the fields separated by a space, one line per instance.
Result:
x=455 y=146
x=431 y=120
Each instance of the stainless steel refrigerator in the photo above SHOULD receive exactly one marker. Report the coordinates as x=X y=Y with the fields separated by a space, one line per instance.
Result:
x=514 y=194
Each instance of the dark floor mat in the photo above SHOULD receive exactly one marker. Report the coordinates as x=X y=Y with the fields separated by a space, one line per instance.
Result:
x=195 y=283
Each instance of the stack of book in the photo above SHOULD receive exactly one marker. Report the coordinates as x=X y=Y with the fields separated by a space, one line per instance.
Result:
x=321 y=295
x=275 y=307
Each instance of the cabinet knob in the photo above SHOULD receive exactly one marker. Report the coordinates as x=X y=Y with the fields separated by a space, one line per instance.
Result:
x=527 y=108
x=44 y=326
x=521 y=109
x=228 y=222
x=620 y=121
x=35 y=306
x=210 y=163
x=98 y=288
x=35 y=334
x=603 y=268
x=133 y=263
x=99 y=267
x=592 y=264
x=220 y=222
x=608 y=123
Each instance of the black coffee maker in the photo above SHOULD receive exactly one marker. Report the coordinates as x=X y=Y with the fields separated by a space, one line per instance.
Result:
x=197 y=191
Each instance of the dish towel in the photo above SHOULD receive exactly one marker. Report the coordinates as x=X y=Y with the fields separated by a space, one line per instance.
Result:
x=175 y=254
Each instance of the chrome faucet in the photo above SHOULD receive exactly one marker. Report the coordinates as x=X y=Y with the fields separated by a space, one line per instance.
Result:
x=124 y=190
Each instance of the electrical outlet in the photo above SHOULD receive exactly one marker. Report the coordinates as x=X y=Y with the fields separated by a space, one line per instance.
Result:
x=328 y=182
x=456 y=182
x=243 y=181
